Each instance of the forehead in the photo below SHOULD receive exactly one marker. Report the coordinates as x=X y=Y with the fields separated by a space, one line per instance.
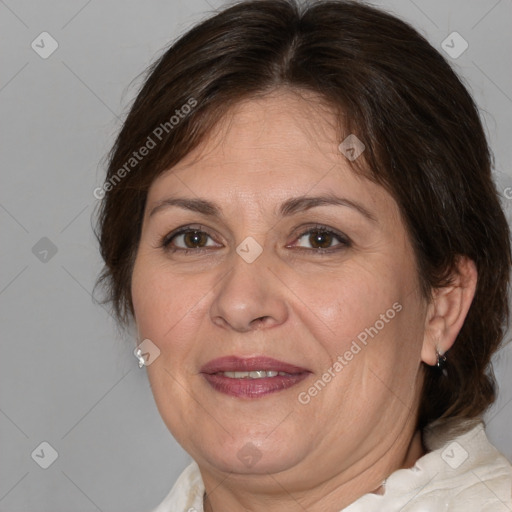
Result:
x=267 y=149
x=289 y=125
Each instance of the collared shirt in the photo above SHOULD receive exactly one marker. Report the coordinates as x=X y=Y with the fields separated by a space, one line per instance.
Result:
x=462 y=472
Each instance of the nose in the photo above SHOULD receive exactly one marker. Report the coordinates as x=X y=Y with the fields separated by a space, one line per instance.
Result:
x=249 y=297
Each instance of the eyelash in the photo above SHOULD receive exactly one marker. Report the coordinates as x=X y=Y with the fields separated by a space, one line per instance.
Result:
x=344 y=241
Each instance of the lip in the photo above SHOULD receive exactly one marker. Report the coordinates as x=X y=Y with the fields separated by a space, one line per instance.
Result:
x=251 y=388
x=239 y=364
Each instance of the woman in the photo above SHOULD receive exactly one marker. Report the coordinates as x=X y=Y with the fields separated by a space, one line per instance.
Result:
x=299 y=216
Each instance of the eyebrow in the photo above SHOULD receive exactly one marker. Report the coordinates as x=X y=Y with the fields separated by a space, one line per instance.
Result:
x=289 y=207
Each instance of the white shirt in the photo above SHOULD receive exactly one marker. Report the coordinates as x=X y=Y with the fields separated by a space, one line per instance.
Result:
x=462 y=472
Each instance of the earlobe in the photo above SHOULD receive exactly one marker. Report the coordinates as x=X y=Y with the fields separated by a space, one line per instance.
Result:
x=448 y=310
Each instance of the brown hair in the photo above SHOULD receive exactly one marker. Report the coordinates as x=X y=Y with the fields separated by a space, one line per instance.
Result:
x=424 y=144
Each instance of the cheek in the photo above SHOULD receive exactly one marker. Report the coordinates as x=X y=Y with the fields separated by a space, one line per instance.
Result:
x=165 y=302
x=341 y=306
x=149 y=296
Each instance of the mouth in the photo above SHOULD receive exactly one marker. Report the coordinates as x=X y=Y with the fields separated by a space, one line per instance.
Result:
x=251 y=377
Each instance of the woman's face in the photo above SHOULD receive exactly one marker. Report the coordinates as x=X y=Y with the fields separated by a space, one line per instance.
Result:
x=342 y=303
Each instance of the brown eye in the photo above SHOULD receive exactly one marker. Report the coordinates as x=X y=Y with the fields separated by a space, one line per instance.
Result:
x=320 y=239
x=187 y=240
x=195 y=239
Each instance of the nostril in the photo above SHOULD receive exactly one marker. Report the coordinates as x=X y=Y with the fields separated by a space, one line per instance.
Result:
x=260 y=321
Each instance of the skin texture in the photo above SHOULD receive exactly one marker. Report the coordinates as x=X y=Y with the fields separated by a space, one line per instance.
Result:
x=293 y=304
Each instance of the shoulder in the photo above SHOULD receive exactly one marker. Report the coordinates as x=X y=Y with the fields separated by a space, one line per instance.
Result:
x=476 y=475
x=462 y=472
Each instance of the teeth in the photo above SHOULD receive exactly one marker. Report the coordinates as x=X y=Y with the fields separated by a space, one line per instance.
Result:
x=258 y=374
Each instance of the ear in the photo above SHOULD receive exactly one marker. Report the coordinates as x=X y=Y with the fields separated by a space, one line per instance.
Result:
x=447 y=311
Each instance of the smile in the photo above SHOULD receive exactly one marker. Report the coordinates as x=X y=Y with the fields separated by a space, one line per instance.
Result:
x=252 y=377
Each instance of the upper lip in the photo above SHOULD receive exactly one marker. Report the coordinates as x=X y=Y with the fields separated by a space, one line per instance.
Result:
x=240 y=364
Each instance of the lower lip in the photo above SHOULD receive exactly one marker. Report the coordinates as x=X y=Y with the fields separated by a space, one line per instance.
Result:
x=253 y=388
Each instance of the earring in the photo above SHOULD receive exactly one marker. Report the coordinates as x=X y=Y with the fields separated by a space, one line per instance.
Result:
x=140 y=357
x=441 y=362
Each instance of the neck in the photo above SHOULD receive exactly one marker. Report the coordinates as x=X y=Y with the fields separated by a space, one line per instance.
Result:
x=351 y=489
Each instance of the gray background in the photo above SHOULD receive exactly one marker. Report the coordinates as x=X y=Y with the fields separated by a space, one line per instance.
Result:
x=67 y=376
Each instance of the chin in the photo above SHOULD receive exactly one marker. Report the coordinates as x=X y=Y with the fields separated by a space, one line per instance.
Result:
x=251 y=455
